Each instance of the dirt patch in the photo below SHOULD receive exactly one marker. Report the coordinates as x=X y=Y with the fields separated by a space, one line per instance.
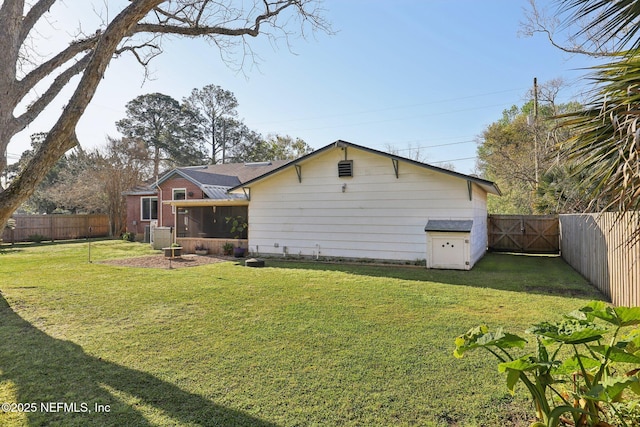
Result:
x=160 y=261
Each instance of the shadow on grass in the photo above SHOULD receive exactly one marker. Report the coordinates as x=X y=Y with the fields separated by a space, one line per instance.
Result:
x=535 y=274
x=40 y=369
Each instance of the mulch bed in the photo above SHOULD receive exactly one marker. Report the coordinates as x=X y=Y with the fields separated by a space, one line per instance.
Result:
x=160 y=261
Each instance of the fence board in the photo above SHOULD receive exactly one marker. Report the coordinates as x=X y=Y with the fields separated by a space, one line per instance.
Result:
x=57 y=227
x=597 y=247
x=524 y=233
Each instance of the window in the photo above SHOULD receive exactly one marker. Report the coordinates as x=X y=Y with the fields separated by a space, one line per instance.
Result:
x=149 y=208
x=345 y=168
x=179 y=194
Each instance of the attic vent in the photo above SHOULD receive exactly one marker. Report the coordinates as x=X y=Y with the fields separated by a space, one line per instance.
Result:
x=345 y=168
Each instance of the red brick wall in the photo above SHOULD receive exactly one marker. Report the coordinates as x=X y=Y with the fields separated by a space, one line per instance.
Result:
x=167 y=193
x=165 y=215
x=135 y=223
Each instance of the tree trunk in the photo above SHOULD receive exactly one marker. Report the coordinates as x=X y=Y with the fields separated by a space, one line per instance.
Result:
x=62 y=136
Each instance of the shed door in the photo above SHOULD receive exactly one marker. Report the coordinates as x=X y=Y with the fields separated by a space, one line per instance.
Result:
x=448 y=251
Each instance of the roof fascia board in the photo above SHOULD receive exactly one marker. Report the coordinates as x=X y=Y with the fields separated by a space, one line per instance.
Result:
x=206 y=202
x=182 y=174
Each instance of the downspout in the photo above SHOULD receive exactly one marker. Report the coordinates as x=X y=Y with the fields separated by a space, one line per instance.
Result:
x=174 y=236
x=160 y=204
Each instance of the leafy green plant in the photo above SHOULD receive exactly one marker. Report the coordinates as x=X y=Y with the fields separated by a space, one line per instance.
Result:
x=227 y=248
x=238 y=225
x=584 y=371
x=128 y=236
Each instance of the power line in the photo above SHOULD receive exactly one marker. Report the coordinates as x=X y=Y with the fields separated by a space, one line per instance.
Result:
x=435 y=146
x=421 y=116
x=399 y=107
x=454 y=160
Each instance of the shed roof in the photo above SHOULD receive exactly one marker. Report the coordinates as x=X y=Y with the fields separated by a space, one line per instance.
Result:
x=219 y=192
x=459 y=226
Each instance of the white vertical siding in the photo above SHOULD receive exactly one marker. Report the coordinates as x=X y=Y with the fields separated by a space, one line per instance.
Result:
x=479 y=237
x=377 y=216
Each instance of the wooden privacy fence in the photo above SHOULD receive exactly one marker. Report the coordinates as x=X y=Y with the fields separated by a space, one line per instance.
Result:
x=57 y=227
x=524 y=233
x=597 y=248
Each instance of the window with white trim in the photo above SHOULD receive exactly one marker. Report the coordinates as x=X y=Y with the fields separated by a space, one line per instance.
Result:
x=179 y=194
x=148 y=208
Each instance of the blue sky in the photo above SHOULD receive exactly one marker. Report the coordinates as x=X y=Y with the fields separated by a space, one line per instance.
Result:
x=408 y=74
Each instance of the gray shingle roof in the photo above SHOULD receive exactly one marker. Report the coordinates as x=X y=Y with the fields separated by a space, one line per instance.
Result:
x=206 y=178
x=215 y=180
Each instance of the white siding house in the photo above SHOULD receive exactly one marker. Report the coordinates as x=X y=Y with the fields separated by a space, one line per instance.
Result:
x=350 y=201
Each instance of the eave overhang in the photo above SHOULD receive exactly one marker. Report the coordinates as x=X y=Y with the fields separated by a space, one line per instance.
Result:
x=206 y=202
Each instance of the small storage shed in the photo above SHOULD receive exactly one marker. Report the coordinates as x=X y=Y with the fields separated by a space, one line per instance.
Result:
x=449 y=244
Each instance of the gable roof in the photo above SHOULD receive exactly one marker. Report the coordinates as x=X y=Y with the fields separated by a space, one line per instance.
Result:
x=214 y=180
x=225 y=175
x=488 y=186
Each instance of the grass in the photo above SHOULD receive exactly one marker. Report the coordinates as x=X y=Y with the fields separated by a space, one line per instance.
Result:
x=293 y=344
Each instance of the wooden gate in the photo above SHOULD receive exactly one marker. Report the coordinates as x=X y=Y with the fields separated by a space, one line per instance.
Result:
x=524 y=233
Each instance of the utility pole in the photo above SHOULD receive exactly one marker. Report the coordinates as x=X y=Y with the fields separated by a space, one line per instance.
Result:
x=535 y=127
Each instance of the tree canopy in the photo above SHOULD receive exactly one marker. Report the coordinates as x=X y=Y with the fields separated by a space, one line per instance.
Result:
x=217 y=109
x=137 y=28
x=520 y=151
x=169 y=130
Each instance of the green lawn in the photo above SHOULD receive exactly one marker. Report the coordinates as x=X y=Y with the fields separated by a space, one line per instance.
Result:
x=292 y=344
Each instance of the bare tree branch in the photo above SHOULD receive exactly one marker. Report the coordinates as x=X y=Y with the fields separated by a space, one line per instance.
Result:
x=137 y=29
x=45 y=69
x=62 y=136
x=54 y=89
x=35 y=13
x=144 y=59
x=538 y=21
x=196 y=30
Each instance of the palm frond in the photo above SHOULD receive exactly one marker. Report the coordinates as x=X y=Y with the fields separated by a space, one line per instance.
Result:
x=606 y=20
x=606 y=137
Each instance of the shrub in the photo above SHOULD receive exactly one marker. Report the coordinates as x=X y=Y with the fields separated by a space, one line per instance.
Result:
x=227 y=248
x=585 y=368
x=129 y=236
x=37 y=238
